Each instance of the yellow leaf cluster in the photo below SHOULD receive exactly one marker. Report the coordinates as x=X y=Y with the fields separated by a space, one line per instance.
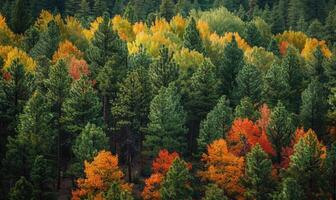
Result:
x=188 y=59
x=204 y=29
x=89 y=33
x=124 y=28
x=45 y=17
x=297 y=39
x=139 y=27
x=67 y=50
x=9 y=54
x=6 y=35
x=178 y=25
x=311 y=44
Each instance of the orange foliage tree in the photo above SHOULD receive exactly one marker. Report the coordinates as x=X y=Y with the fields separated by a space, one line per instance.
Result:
x=66 y=51
x=78 y=68
x=160 y=167
x=224 y=169
x=100 y=174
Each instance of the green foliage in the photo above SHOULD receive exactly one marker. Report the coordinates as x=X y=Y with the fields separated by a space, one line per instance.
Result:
x=163 y=70
x=290 y=190
x=23 y=190
x=192 y=38
x=258 y=178
x=215 y=125
x=176 y=184
x=99 y=7
x=280 y=129
x=213 y=192
x=330 y=171
x=167 y=9
x=115 y=192
x=20 y=16
x=81 y=107
x=330 y=25
x=166 y=128
x=313 y=108
x=246 y=109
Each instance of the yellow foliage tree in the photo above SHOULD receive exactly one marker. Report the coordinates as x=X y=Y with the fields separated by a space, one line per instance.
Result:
x=99 y=175
x=66 y=51
x=311 y=44
x=89 y=33
x=224 y=169
x=123 y=27
x=9 y=54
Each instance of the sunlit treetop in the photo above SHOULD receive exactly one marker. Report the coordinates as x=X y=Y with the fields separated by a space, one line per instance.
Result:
x=9 y=54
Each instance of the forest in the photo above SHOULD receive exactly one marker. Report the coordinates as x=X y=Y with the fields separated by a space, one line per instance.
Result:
x=168 y=99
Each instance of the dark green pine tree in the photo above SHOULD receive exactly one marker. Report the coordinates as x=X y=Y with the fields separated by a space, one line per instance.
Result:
x=81 y=106
x=330 y=72
x=330 y=26
x=47 y=43
x=232 y=62
x=293 y=65
x=22 y=190
x=167 y=9
x=314 y=107
x=203 y=95
x=163 y=70
x=176 y=184
x=71 y=6
x=58 y=86
x=305 y=166
x=278 y=18
x=42 y=177
x=330 y=171
x=87 y=145
x=32 y=36
x=20 y=18
x=213 y=192
x=254 y=37
x=258 y=180
x=115 y=192
x=192 y=38
x=249 y=82
x=315 y=29
x=273 y=47
x=295 y=12
x=99 y=7
x=166 y=128
x=280 y=129
x=84 y=11
x=215 y=125
x=130 y=111
x=246 y=109
x=317 y=69
x=183 y=7
x=276 y=85
x=315 y=9
x=290 y=190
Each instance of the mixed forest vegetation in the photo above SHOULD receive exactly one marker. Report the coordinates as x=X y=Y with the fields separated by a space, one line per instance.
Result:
x=168 y=99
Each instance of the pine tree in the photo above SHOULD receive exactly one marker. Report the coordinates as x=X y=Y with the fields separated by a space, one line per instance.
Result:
x=315 y=29
x=330 y=25
x=47 y=43
x=232 y=62
x=213 y=192
x=216 y=124
x=20 y=16
x=316 y=66
x=313 y=108
x=42 y=178
x=305 y=166
x=246 y=109
x=32 y=36
x=192 y=38
x=280 y=129
x=71 y=6
x=330 y=171
x=330 y=72
x=254 y=37
x=276 y=87
x=163 y=70
x=167 y=9
x=115 y=192
x=273 y=47
x=81 y=107
x=183 y=7
x=58 y=85
x=249 y=83
x=295 y=12
x=290 y=190
x=22 y=190
x=99 y=7
x=84 y=11
x=88 y=143
x=176 y=184
x=258 y=179
x=166 y=128
x=130 y=112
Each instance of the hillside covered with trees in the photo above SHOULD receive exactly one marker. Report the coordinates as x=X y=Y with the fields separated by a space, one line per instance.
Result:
x=168 y=99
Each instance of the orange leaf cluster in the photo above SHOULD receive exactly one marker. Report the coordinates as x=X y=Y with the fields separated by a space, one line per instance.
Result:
x=160 y=167
x=78 y=68
x=223 y=168
x=244 y=135
x=99 y=175
x=283 y=46
x=66 y=51
x=311 y=45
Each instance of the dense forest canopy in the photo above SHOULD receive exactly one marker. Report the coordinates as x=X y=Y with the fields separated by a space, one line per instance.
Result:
x=168 y=99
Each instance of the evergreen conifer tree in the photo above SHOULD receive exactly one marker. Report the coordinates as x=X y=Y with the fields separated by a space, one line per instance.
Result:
x=192 y=38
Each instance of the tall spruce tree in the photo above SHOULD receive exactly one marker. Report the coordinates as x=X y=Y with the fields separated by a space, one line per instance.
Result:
x=71 y=6
x=192 y=38
x=290 y=190
x=313 y=108
x=176 y=184
x=21 y=18
x=215 y=125
x=258 y=178
x=167 y=9
x=22 y=190
x=249 y=83
x=163 y=70
x=246 y=109
x=280 y=129
x=305 y=166
x=213 y=192
x=330 y=25
x=276 y=87
x=166 y=128
x=330 y=171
